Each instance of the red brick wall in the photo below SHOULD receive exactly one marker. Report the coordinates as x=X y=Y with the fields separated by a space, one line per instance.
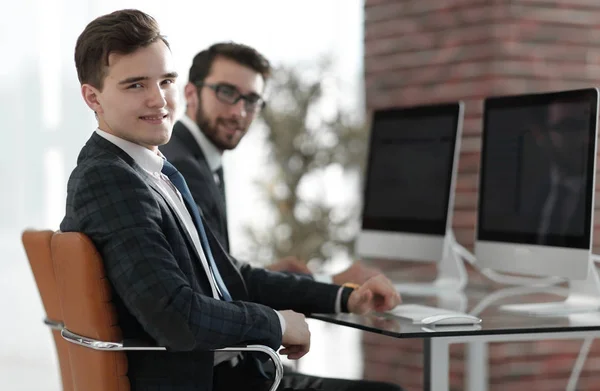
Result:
x=428 y=51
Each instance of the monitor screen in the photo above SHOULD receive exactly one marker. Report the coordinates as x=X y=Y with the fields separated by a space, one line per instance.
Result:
x=537 y=167
x=409 y=172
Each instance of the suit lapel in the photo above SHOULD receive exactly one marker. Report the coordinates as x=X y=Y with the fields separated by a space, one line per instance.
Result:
x=173 y=209
x=183 y=134
x=169 y=203
x=98 y=145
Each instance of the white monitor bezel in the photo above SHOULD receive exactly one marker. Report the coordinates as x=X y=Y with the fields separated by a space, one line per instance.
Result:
x=414 y=246
x=512 y=256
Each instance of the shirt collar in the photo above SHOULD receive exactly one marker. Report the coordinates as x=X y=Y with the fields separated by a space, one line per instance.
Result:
x=147 y=159
x=212 y=154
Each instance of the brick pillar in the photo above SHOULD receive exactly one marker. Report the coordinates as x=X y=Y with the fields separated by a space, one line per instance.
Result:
x=430 y=51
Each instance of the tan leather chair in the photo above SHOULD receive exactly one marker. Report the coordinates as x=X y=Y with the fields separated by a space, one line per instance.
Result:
x=37 y=248
x=96 y=352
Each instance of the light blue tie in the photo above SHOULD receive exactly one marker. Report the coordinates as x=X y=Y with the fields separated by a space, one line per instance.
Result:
x=179 y=182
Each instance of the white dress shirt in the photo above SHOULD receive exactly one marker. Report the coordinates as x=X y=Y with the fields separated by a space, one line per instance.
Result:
x=214 y=157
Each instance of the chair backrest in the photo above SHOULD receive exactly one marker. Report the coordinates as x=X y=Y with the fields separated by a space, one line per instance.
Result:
x=85 y=297
x=37 y=248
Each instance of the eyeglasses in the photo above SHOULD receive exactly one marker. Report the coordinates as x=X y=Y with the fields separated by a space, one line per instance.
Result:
x=229 y=94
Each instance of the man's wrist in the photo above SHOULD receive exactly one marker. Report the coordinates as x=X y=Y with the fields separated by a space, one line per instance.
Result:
x=347 y=290
x=281 y=322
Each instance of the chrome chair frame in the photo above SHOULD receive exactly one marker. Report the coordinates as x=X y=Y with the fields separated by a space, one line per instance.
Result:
x=106 y=346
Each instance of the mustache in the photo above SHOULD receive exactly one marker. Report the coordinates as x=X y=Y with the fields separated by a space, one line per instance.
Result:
x=231 y=122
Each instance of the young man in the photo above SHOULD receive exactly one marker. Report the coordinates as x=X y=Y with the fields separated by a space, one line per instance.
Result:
x=224 y=96
x=174 y=284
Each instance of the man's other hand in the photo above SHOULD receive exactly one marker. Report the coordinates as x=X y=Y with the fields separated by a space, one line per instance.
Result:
x=376 y=294
x=296 y=339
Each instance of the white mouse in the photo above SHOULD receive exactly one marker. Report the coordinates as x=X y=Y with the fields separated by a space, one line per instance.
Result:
x=450 y=319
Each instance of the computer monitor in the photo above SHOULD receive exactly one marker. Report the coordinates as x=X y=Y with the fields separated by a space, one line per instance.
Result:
x=409 y=189
x=536 y=190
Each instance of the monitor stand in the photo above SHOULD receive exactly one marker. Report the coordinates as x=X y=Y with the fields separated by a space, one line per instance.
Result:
x=584 y=296
x=452 y=275
x=452 y=300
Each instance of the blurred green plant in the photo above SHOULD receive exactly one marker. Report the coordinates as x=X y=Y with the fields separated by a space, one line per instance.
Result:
x=309 y=135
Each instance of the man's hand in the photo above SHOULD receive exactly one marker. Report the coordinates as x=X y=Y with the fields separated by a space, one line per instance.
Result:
x=296 y=339
x=289 y=264
x=377 y=294
x=357 y=273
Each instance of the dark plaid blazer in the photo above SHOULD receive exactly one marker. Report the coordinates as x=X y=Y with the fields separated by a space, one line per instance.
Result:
x=162 y=292
x=186 y=155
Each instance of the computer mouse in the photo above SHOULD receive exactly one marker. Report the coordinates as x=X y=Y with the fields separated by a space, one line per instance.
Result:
x=451 y=327
x=450 y=319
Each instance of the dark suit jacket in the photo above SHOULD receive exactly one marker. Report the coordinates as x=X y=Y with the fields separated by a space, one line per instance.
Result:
x=186 y=155
x=162 y=292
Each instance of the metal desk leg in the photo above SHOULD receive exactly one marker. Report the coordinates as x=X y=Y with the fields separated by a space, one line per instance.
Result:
x=436 y=366
x=476 y=371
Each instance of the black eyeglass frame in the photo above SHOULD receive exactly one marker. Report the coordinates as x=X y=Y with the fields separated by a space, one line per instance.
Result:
x=249 y=105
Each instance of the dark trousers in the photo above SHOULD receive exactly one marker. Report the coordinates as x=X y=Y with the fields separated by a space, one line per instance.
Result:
x=245 y=376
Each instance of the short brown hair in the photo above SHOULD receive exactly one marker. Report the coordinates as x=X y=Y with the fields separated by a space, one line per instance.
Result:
x=242 y=54
x=122 y=31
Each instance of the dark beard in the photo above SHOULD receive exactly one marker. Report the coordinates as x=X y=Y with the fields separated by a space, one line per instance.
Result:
x=209 y=130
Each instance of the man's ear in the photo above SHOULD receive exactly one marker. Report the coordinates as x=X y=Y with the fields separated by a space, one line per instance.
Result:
x=190 y=92
x=90 y=95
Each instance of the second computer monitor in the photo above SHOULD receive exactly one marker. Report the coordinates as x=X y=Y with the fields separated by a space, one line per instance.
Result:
x=536 y=189
x=409 y=185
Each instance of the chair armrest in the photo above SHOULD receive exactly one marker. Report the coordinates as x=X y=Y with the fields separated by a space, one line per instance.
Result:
x=131 y=345
x=53 y=324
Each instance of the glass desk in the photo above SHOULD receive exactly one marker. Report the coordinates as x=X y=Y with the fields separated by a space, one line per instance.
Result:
x=496 y=326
